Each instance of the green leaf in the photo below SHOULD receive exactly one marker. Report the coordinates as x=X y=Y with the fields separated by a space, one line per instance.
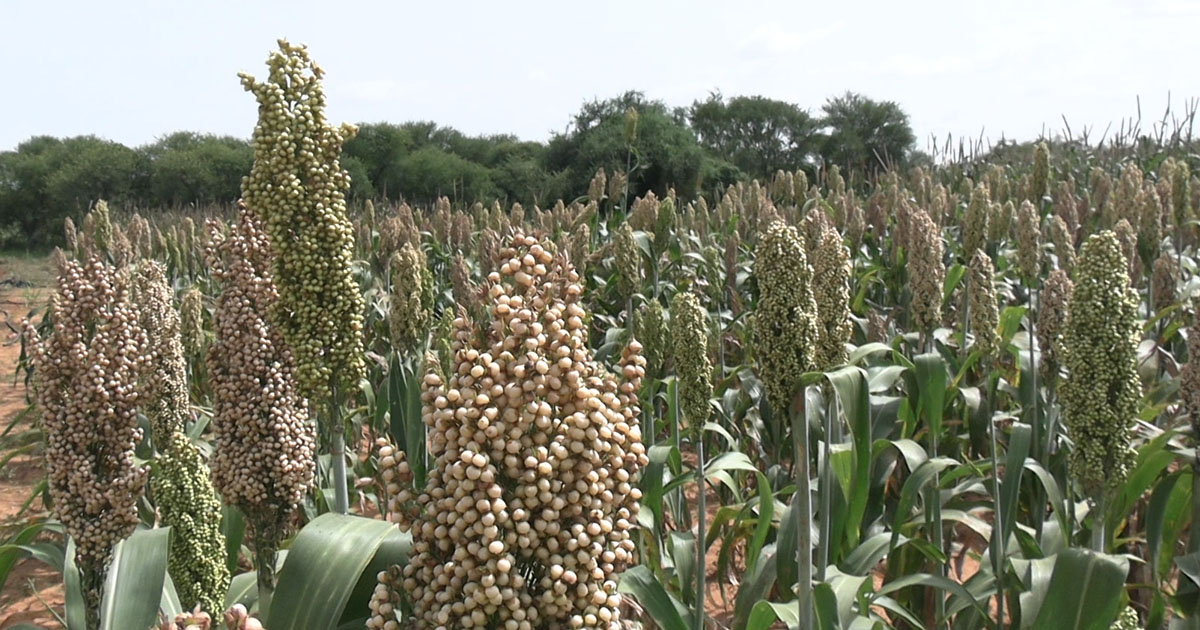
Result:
x=757 y=584
x=766 y=513
x=233 y=528
x=931 y=381
x=133 y=588
x=850 y=384
x=933 y=581
x=666 y=611
x=825 y=606
x=683 y=554
x=1165 y=514
x=1084 y=592
x=1019 y=443
x=76 y=608
x=324 y=564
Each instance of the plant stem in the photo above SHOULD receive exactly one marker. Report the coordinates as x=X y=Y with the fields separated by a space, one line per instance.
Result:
x=933 y=496
x=803 y=513
x=1098 y=525
x=265 y=553
x=1000 y=540
x=825 y=488
x=337 y=451
x=701 y=568
x=1193 y=544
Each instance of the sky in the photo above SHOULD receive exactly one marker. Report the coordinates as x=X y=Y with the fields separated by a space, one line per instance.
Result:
x=133 y=71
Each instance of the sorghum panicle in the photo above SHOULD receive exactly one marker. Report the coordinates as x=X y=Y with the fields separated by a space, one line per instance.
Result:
x=298 y=189
x=86 y=375
x=831 y=292
x=975 y=221
x=689 y=348
x=927 y=272
x=531 y=499
x=1052 y=318
x=1100 y=342
x=409 y=314
x=984 y=312
x=785 y=327
x=264 y=444
x=1029 y=242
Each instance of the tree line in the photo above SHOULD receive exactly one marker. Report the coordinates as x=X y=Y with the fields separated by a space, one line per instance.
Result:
x=695 y=149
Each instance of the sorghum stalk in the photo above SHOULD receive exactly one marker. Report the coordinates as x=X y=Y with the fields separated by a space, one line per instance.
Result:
x=831 y=289
x=298 y=187
x=689 y=338
x=86 y=381
x=1100 y=345
x=264 y=444
x=785 y=331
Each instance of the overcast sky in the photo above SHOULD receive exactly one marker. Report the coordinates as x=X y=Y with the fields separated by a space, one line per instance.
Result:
x=134 y=70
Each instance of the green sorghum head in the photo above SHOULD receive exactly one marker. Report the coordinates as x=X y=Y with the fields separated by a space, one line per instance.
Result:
x=101 y=224
x=927 y=271
x=298 y=188
x=785 y=326
x=831 y=292
x=1040 y=181
x=1029 y=241
x=650 y=328
x=186 y=501
x=689 y=347
x=1052 y=317
x=191 y=322
x=1100 y=397
x=1064 y=243
x=984 y=312
x=596 y=187
x=628 y=260
x=164 y=383
x=1000 y=221
x=1164 y=277
x=1149 y=237
x=975 y=221
x=664 y=225
x=1189 y=377
x=408 y=315
x=1181 y=194
x=1128 y=241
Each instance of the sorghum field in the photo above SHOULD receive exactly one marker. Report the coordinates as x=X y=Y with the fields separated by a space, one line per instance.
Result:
x=963 y=396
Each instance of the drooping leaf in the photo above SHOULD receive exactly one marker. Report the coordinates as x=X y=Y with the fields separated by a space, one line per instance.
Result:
x=1084 y=592
x=133 y=588
x=324 y=564
x=666 y=611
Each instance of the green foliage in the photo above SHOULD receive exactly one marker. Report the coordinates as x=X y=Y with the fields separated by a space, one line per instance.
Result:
x=756 y=134
x=865 y=134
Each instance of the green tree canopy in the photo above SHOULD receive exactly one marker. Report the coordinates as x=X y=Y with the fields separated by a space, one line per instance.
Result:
x=865 y=134
x=757 y=134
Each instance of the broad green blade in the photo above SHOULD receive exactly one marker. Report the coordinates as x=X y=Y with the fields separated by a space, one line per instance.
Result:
x=324 y=565
x=76 y=608
x=133 y=588
x=666 y=611
x=1084 y=593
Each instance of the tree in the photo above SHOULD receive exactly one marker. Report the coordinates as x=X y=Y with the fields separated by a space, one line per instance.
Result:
x=665 y=150
x=865 y=134
x=757 y=134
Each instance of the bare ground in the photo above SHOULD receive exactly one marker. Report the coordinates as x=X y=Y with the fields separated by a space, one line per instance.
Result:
x=32 y=587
